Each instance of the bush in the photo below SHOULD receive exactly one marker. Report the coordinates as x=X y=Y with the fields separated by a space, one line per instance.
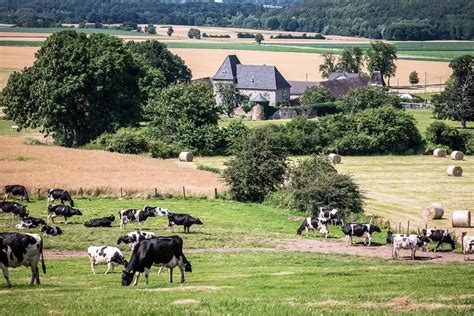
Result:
x=314 y=183
x=315 y=95
x=125 y=141
x=368 y=97
x=257 y=168
x=440 y=133
x=160 y=149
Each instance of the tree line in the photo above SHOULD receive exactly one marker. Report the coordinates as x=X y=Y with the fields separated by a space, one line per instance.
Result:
x=377 y=19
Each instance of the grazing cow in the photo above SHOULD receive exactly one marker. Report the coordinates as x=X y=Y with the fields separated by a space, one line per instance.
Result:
x=360 y=230
x=61 y=210
x=51 y=230
x=100 y=222
x=111 y=256
x=185 y=220
x=314 y=223
x=30 y=222
x=133 y=238
x=334 y=216
x=157 y=210
x=16 y=209
x=160 y=251
x=439 y=235
x=134 y=215
x=59 y=194
x=16 y=190
x=18 y=249
x=467 y=245
x=412 y=242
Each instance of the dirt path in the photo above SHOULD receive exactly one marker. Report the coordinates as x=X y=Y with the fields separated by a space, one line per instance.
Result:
x=307 y=245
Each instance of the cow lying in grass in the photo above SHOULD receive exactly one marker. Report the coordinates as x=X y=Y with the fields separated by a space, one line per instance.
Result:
x=100 y=222
x=30 y=222
x=51 y=230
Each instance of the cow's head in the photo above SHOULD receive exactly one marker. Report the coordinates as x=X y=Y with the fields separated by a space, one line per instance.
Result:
x=118 y=258
x=76 y=211
x=44 y=228
x=111 y=218
x=389 y=237
x=127 y=277
x=123 y=239
x=199 y=222
x=188 y=267
x=374 y=229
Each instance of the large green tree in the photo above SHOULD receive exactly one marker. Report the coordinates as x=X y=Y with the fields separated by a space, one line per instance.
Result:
x=381 y=57
x=329 y=64
x=257 y=167
x=159 y=57
x=79 y=87
x=456 y=102
x=315 y=95
x=351 y=60
x=368 y=97
x=230 y=98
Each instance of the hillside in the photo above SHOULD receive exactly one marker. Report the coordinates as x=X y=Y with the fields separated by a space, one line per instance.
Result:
x=392 y=20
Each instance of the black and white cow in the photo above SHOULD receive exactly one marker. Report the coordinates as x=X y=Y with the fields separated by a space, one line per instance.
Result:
x=18 y=249
x=440 y=236
x=61 y=210
x=60 y=194
x=360 y=230
x=16 y=190
x=314 y=223
x=159 y=211
x=333 y=216
x=16 y=209
x=30 y=222
x=100 y=222
x=134 y=215
x=111 y=256
x=467 y=245
x=160 y=251
x=184 y=220
x=411 y=242
x=133 y=238
x=51 y=230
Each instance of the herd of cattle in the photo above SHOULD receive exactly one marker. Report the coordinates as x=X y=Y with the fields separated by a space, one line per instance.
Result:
x=148 y=250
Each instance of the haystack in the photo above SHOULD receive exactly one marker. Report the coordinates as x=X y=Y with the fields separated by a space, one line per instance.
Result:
x=440 y=152
x=457 y=155
x=455 y=171
x=335 y=158
x=186 y=156
x=433 y=211
x=461 y=218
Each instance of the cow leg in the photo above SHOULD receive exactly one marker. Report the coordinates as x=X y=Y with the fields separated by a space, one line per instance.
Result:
x=181 y=272
x=65 y=220
x=147 y=273
x=370 y=241
x=92 y=266
x=34 y=274
x=137 y=275
x=170 y=273
x=439 y=244
x=110 y=268
x=413 y=251
x=159 y=270
x=5 y=275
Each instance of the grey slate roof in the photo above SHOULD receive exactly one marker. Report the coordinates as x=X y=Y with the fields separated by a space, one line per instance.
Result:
x=260 y=77
x=375 y=79
x=228 y=69
x=342 y=75
x=337 y=88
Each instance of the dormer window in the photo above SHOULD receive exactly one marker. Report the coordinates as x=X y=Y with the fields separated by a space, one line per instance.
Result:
x=252 y=80
x=224 y=71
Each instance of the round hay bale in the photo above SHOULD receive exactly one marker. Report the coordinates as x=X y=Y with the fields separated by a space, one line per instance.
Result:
x=440 y=152
x=455 y=171
x=461 y=218
x=433 y=211
x=335 y=158
x=457 y=155
x=186 y=156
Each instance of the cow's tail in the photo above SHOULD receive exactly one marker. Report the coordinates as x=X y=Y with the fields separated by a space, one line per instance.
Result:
x=302 y=227
x=43 y=266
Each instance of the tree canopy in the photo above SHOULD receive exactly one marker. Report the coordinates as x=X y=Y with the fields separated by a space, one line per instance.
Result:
x=78 y=88
x=381 y=57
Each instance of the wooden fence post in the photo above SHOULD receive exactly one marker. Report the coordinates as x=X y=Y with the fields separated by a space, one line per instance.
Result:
x=39 y=194
x=400 y=228
x=215 y=193
x=184 y=192
x=408 y=228
x=156 y=193
x=121 y=192
x=81 y=193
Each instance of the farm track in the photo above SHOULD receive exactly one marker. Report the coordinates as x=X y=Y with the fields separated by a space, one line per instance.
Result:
x=307 y=245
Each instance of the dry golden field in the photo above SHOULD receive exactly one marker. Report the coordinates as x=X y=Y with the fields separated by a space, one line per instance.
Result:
x=294 y=66
x=97 y=172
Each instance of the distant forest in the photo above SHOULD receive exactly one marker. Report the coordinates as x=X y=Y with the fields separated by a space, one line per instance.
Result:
x=379 y=19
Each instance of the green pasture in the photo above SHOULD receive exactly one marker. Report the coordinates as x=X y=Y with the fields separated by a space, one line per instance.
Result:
x=250 y=283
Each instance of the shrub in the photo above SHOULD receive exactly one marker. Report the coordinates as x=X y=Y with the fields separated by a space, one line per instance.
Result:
x=125 y=141
x=440 y=133
x=314 y=183
x=315 y=95
x=160 y=149
x=368 y=97
x=257 y=168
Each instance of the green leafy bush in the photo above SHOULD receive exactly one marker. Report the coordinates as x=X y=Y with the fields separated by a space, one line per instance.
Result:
x=160 y=149
x=257 y=168
x=440 y=133
x=367 y=98
x=125 y=141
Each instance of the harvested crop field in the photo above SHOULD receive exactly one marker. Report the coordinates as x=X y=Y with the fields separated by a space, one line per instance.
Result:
x=97 y=172
x=294 y=66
